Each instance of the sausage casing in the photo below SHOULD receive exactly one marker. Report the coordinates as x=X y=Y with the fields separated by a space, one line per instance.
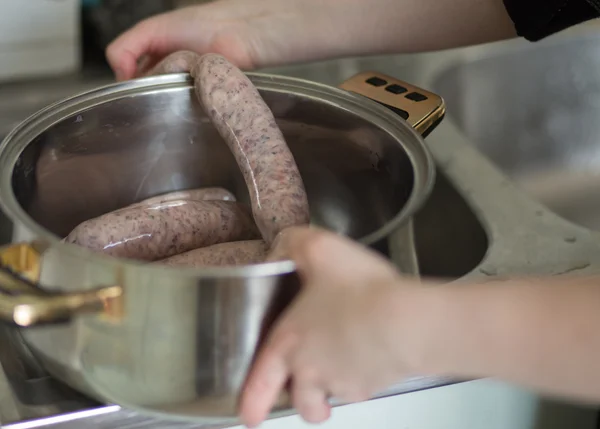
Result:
x=154 y=232
x=200 y=194
x=243 y=119
x=233 y=253
x=245 y=122
x=177 y=62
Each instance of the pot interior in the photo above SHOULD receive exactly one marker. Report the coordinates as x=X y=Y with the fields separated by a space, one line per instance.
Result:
x=98 y=157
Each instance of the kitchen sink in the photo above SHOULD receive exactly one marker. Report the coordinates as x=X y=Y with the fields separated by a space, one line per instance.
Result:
x=449 y=239
x=5 y=230
x=534 y=111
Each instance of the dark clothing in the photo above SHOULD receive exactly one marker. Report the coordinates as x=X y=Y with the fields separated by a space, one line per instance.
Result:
x=536 y=19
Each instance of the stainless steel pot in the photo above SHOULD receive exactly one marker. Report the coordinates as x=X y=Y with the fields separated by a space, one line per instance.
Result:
x=179 y=341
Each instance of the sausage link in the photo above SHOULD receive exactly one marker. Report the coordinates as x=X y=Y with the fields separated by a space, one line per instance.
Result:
x=247 y=125
x=178 y=62
x=233 y=253
x=159 y=231
x=201 y=194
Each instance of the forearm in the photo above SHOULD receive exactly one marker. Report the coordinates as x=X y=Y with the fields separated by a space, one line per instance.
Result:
x=544 y=334
x=401 y=26
x=327 y=29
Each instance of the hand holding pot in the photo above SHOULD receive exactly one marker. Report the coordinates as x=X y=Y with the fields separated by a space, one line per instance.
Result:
x=339 y=338
x=358 y=327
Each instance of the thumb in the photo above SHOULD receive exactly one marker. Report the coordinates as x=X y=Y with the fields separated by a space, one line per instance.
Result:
x=309 y=247
x=326 y=256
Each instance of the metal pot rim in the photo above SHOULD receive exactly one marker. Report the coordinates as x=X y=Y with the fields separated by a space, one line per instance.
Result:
x=21 y=136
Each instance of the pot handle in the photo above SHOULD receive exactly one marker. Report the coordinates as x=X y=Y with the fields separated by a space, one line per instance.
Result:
x=423 y=110
x=24 y=303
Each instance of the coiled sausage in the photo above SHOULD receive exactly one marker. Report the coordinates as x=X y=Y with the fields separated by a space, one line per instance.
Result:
x=245 y=122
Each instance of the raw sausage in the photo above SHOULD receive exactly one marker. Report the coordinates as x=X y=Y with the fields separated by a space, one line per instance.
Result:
x=243 y=119
x=159 y=231
x=234 y=253
x=178 y=62
x=201 y=194
x=247 y=125
x=277 y=193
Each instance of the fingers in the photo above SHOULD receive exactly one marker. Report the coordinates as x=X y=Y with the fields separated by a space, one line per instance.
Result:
x=310 y=401
x=132 y=46
x=266 y=380
x=300 y=244
x=282 y=244
x=152 y=38
x=315 y=251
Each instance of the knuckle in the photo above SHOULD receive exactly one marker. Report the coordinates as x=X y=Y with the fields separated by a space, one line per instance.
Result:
x=144 y=25
x=112 y=52
x=283 y=339
x=232 y=46
x=146 y=28
x=138 y=28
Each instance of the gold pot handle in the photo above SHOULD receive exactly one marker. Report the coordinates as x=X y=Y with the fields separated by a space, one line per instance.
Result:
x=423 y=110
x=24 y=303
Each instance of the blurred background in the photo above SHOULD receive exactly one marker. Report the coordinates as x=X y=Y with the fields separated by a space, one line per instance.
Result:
x=52 y=49
x=50 y=37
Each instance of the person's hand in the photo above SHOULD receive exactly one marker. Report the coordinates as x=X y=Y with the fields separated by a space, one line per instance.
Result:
x=340 y=337
x=249 y=33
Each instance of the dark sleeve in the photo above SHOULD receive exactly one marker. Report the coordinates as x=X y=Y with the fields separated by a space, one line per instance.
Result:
x=536 y=19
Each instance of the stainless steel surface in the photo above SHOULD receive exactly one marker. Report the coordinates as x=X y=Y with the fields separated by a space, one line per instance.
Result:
x=386 y=174
x=477 y=223
x=33 y=399
x=533 y=110
x=185 y=338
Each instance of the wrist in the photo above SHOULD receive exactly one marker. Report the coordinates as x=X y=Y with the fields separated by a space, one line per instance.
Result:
x=430 y=318
x=465 y=330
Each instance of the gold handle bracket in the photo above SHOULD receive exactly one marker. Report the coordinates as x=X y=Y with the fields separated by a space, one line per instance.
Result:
x=423 y=110
x=23 y=303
